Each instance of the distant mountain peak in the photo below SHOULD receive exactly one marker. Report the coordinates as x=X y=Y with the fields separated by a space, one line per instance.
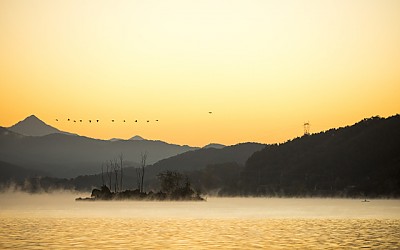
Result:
x=33 y=126
x=116 y=139
x=214 y=145
x=137 y=138
x=32 y=117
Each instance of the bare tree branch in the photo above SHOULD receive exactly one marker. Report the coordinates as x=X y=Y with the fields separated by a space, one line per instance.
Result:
x=109 y=174
x=143 y=165
x=121 y=159
x=115 y=168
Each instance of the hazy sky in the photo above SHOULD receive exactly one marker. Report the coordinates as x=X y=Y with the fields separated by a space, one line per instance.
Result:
x=262 y=67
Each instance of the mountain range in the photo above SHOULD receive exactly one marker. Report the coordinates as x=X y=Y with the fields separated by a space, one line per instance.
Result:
x=361 y=160
x=209 y=168
x=32 y=144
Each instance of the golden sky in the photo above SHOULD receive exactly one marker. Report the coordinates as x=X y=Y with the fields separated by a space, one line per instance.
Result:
x=263 y=67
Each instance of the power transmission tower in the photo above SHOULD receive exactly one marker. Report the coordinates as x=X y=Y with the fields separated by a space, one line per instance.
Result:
x=307 y=128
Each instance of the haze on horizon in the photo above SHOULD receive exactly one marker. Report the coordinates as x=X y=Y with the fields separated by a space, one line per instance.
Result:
x=262 y=67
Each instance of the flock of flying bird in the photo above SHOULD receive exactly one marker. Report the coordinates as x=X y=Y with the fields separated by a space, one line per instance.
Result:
x=90 y=121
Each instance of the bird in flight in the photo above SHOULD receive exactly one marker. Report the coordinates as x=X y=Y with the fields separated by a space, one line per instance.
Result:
x=113 y=120
x=210 y=112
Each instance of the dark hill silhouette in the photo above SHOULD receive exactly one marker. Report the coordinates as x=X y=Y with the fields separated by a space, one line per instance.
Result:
x=33 y=126
x=200 y=158
x=217 y=179
x=363 y=159
x=69 y=156
x=13 y=173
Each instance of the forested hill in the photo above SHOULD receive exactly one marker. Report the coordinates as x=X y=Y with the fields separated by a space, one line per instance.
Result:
x=200 y=158
x=358 y=160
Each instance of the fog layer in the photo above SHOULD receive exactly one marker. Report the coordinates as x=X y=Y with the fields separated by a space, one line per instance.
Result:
x=63 y=204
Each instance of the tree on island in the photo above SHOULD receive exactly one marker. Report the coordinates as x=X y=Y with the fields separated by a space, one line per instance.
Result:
x=113 y=168
x=176 y=185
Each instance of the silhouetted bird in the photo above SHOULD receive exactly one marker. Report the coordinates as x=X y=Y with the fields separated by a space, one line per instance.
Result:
x=148 y=121
x=124 y=120
x=97 y=120
x=80 y=120
x=210 y=112
x=90 y=120
x=135 y=120
x=68 y=119
x=112 y=120
x=56 y=120
x=74 y=121
x=156 y=120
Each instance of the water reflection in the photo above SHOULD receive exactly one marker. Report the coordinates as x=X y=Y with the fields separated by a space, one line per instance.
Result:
x=48 y=222
x=97 y=233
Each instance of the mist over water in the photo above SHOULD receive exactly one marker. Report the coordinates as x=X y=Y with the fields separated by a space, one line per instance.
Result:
x=56 y=220
x=64 y=204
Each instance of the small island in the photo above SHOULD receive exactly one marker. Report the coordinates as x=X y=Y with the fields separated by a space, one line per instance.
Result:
x=174 y=187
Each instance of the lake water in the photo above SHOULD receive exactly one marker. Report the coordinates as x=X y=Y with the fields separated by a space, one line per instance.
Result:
x=56 y=221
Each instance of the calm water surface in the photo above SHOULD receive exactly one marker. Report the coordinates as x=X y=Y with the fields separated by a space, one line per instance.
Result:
x=56 y=221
